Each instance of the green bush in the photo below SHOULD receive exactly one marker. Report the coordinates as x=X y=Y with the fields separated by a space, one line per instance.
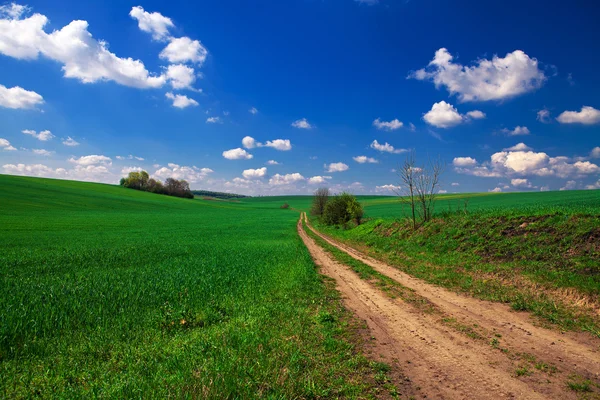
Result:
x=342 y=209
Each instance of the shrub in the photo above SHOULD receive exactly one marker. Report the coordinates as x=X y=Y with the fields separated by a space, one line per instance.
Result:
x=285 y=206
x=342 y=209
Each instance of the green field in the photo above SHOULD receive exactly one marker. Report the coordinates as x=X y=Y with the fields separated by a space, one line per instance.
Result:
x=110 y=292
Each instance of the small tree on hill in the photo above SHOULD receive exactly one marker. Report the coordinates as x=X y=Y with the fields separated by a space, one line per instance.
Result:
x=342 y=209
x=319 y=201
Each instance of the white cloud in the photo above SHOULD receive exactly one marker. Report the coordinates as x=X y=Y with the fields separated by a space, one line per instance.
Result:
x=412 y=127
x=543 y=116
x=464 y=162
x=184 y=49
x=387 y=188
x=154 y=23
x=237 y=154
x=495 y=79
x=277 y=144
x=442 y=191
x=82 y=57
x=302 y=124
x=126 y=170
x=520 y=182
x=287 y=179
x=570 y=185
x=476 y=114
x=455 y=184
x=253 y=110
x=255 y=173
x=518 y=131
x=593 y=186
x=191 y=174
x=13 y=10
x=17 y=97
x=545 y=189
x=180 y=76
x=272 y=162
x=365 y=159
x=318 y=180
x=69 y=141
x=368 y=2
x=91 y=160
x=93 y=173
x=130 y=157
x=336 y=167
x=386 y=148
x=5 y=145
x=181 y=101
x=443 y=115
x=518 y=147
x=387 y=126
x=249 y=142
x=44 y=136
x=213 y=120
x=587 y=116
x=595 y=153
x=42 y=152
x=495 y=190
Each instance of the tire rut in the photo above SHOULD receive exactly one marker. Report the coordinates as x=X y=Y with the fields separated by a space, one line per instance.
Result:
x=443 y=362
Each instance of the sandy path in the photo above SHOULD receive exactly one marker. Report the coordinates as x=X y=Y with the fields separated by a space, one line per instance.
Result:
x=445 y=363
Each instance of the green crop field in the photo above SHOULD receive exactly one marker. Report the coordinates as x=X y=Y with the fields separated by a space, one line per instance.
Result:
x=114 y=293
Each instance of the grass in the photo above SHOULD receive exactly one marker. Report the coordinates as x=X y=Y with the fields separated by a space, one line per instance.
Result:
x=542 y=258
x=114 y=293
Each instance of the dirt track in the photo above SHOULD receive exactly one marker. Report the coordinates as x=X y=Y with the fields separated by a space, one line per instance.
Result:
x=443 y=362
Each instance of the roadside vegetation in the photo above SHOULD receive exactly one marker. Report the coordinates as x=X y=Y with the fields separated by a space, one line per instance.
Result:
x=142 y=181
x=125 y=294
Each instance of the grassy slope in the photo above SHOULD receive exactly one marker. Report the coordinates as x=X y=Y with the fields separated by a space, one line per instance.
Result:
x=538 y=251
x=111 y=292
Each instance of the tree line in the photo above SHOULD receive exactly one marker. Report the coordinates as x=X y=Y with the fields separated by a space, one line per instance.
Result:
x=172 y=187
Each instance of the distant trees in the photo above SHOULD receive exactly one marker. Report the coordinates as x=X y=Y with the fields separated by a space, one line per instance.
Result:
x=142 y=181
x=336 y=210
x=419 y=187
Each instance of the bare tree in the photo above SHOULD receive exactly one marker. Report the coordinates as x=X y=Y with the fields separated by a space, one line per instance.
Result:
x=320 y=201
x=419 y=187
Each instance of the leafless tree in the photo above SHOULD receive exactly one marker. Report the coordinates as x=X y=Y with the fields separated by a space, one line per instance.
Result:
x=320 y=201
x=419 y=187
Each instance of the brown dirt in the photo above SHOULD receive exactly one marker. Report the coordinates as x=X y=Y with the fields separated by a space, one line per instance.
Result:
x=442 y=361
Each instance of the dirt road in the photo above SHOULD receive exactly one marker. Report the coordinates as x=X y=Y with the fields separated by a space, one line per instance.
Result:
x=515 y=359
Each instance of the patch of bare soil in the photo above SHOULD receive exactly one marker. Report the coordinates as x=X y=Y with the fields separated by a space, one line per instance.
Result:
x=516 y=359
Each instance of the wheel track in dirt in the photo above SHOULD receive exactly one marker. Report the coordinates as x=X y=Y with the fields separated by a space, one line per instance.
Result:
x=443 y=362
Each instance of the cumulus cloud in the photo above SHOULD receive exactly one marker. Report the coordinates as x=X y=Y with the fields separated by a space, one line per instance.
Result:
x=287 y=179
x=518 y=147
x=365 y=159
x=543 y=116
x=336 y=167
x=495 y=79
x=593 y=186
x=255 y=173
x=455 y=184
x=495 y=190
x=17 y=97
x=527 y=163
x=520 y=182
x=181 y=101
x=180 y=76
x=253 y=110
x=587 y=116
x=213 y=120
x=387 y=126
x=69 y=141
x=318 y=180
x=129 y=157
x=93 y=173
x=272 y=162
x=82 y=57
x=302 y=124
x=184 y=49
x=5 y=145
x=191 y=174
x=570 y=185
x=13 y=10
x=42 y=152
x=91 y=160
x=44 y=136
x=237 y=154
x=445 y=115
x=387 y=188
x=518 y=131
x=277 y=144
x=595 y=153
x=476 y=114
x=386 y=148
x=154 y=23
x=126 y=170
x=464 y=162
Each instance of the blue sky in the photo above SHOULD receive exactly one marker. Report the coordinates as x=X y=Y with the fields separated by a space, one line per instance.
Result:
x=334 y=91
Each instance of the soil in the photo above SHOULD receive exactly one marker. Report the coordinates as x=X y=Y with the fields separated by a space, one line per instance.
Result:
x=441 y=361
